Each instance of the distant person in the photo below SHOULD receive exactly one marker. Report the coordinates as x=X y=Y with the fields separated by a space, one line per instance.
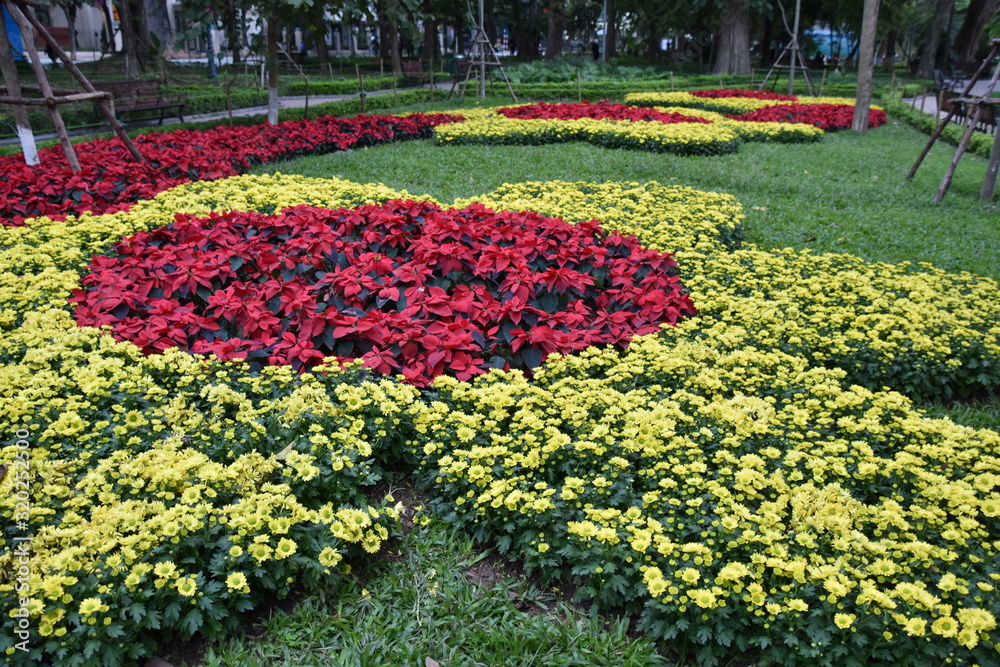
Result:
x=595 y=50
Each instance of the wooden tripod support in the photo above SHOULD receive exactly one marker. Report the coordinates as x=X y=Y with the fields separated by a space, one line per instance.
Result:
x=978 y=106
x=26 y=20
x=795 y=62
x=482 y=56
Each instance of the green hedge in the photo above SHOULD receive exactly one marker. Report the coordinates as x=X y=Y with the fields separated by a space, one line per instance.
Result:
x=210 y=99
x=618 y=89
x=351 y=86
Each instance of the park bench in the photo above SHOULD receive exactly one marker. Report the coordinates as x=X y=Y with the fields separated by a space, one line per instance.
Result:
x=414 y=69
x=141 y=99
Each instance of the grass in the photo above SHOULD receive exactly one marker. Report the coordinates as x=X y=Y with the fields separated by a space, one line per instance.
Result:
x=434 y=596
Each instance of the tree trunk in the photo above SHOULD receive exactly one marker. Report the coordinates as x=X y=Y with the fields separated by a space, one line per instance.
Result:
x=320 y=30
x=652 y=41
x=732 y=44
x=229 y=20
x=272 y=70
x=928 y=58
x=866 y=67
x=889 y=61
x=129 y=46
x=13 y=83
x=158 y=22
x=554 y=37
x=394 y=56
x=430 y=49
x=973 y=26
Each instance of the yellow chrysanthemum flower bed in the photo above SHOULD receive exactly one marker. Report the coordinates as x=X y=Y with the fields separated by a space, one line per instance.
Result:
x=727 y=494
x=724 y=105
x=172 y=492
x=485 y=126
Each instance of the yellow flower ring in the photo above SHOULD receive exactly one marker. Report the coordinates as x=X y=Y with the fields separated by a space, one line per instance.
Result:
x=701 y=133
x=721 y=446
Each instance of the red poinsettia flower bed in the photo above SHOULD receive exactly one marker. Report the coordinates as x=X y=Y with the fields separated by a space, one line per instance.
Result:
x=828 y=117
x=110 y=180
x=406 y=286
x=751 y=94
x=603 y=110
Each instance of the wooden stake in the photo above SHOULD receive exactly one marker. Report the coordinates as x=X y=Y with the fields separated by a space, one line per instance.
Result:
x=962 y=145
x=992 y=169
x=361 y=85
x=923 y=98
x=721 y=85
x=671 y=81
x=579 y=85
x=395 y=101
x=306 y=112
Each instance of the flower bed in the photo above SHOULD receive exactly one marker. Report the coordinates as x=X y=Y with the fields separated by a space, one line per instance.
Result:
x=731 y=498
x=600 y=111
x=661 y=129
x=109 y=180
x=828 y=113
x=716 y=93
x=487 y=126
x=828 y=117
x=736 y=492
x=407 y=287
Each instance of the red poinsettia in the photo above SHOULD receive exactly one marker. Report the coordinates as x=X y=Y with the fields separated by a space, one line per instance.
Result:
x=750 y=94
x=828 y=117
x=109 y=180
x=603 y=110
x=406 y=286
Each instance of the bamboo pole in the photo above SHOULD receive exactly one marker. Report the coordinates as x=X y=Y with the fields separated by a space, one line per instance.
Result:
x=361 y=85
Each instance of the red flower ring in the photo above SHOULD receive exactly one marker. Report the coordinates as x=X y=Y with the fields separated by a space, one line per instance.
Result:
x=406 y=286
x=599 y=111
x=751 y=94
x=109 y=181
x=828 y=117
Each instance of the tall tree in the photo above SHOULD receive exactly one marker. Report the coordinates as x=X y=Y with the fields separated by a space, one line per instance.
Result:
x=555 y=15
x=732 y=48
x=970 y=34
x=929 y=55
x=866 y=68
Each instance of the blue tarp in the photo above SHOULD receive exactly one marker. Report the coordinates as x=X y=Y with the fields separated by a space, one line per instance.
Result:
x=14 y=35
